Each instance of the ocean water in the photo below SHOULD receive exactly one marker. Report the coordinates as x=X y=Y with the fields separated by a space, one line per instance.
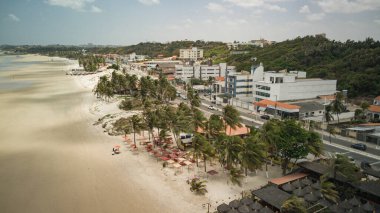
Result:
x=14 y=67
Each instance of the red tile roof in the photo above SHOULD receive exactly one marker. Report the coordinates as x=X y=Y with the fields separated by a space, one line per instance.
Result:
x=287 y=178
x=374 y=108
x=265 y=103
x=377 y=98
x=219 y=78
x=243 y=130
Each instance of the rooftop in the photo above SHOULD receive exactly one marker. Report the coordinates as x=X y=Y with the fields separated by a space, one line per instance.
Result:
x=377 y=98
x=374 y=108
x=275 y=104
x=288 y=178
x=309 y=106
x=272 y=195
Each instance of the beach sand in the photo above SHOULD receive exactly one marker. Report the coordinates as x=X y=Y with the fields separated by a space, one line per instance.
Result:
x=52 y=158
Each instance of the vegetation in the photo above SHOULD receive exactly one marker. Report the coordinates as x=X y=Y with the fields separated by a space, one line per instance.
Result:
x=294 y=205
x=350 y=62
x=198 y=186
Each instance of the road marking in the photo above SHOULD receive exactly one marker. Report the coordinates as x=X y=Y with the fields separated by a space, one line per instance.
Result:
x=352 y=150
x=374 y=163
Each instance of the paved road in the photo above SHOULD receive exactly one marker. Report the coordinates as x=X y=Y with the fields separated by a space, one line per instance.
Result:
x=348 y=144
x=358 y=157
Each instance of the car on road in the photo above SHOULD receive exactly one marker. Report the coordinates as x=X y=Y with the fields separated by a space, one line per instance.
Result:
x=211 y=107
x=265 y=117
x=359 y=146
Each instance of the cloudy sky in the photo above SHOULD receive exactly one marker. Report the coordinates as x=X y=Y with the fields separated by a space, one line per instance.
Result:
x=124 y=22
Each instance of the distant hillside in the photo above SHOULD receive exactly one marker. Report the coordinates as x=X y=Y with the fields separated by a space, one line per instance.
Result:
x=356 y=65
x=154 y=49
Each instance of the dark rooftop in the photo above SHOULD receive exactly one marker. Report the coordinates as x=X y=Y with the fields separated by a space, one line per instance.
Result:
x=272 y=195
x=309 y=106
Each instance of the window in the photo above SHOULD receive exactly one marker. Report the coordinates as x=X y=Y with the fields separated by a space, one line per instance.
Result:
x=263 y=87
x=262 y=94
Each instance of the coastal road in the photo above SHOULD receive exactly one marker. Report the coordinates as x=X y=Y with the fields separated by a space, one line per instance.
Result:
x=347 y=143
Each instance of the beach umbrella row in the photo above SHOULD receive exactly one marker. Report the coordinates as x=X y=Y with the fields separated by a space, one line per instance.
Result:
x=245 y=205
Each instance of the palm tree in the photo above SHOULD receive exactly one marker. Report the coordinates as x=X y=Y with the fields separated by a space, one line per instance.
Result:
x=198 y=120
x=137 y=125
x=337 y=105
x=327 y=116
x=314 y=144
x=198 y=142
x=230 y=147
x=198 y=186
x=208 y=151
x=328 y=190
x=236 y=176
x=331 y=131
x=124 y=125
x=149 y=118
x=253 y=154
x=231 y=117
x=294 y=205
x=214 y=126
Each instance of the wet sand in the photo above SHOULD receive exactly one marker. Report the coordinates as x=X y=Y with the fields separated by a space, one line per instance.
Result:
x=53 y=160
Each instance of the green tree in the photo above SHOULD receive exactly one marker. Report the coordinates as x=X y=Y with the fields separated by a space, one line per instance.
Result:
x=236 y=176
x=331 y=130
x=198 y=186
x=328 y=116
x=253 y=154
x=328 y=190
x=231 y=117
x=337 y=105
x=137 y=125
x=294 y=205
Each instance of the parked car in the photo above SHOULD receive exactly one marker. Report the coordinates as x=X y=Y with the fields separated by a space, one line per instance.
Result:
x=265 y=117
x=211 y=107
x=359 y=146
x=213 y=102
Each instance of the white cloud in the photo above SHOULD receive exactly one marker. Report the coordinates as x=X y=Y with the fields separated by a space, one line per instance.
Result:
x=304 y=9
x=214 y=7
x=96 y=9
x=13 y=17
x=267 y=4
x=377 y=21
x=348 y=6
x=73 y=4
x=149 y=2
x=315 y=16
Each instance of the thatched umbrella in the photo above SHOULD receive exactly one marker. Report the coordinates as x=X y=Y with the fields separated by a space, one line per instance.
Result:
x=307 y=189
x=244 y=209
x=345 y=204
x=266 y=210
x=316 y=185
x=223 y=208
x=233 y=211
x=324 y=202
x=234 y=204
x=246 y=201
x=367 y=207
x=306 y=181
x=335 y=208
x=354 y=201
x=288 y=187
x=296 y=184
x=256 y=206
x=317 y=193
x=299 y=192
x=311 y=197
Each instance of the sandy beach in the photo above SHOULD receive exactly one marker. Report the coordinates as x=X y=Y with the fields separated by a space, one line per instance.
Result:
x=52 y=158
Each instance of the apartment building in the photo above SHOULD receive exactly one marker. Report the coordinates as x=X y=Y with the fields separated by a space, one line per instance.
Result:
x=203 y=72
x=239 y=85
x=287 y=86
x=191 y=54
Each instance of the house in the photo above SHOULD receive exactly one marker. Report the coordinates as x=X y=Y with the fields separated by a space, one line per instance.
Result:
x=237 y=131
x=374 y=110
x=310 y=109
x=275 y=108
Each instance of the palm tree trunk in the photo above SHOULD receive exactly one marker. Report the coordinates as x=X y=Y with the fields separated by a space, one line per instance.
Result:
x=204 y=161
x=134 y=138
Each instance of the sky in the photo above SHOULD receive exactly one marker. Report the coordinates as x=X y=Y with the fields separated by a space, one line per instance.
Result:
x=125 y=22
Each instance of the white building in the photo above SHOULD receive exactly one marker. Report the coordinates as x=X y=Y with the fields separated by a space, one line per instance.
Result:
x=203 y=72
x=286 y=86
x=239 y=85
x=191 y=54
